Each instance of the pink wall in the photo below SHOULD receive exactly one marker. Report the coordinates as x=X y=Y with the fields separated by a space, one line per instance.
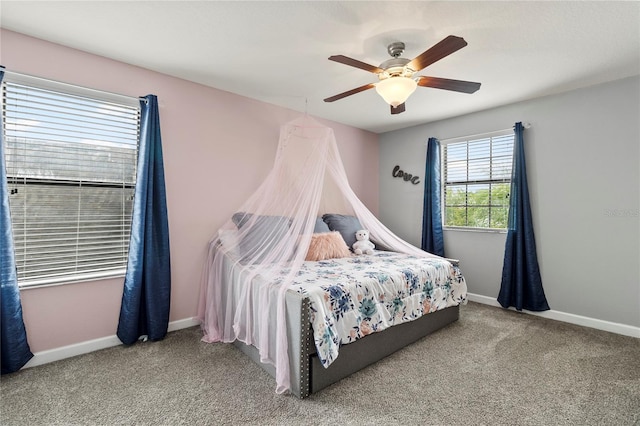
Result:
x=217 y=148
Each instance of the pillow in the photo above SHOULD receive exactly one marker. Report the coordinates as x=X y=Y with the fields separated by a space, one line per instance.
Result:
x=321 y=226
x=346 y=225
x=264 y=234
x=229 y=240
x=240 y=218
x=327 y=245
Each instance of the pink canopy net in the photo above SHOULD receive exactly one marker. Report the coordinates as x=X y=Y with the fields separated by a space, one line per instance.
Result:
x=268 y=238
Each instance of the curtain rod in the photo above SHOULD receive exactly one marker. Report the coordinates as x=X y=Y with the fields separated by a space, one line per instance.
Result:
x=71 y=87
x=526 y=125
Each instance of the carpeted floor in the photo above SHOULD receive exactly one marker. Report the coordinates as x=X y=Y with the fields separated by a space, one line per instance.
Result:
x=492 y=367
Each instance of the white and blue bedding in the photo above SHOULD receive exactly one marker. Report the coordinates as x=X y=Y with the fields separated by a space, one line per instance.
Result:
x=356 y=296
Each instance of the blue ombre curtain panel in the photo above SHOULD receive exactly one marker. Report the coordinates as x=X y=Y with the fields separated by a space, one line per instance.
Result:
x=432 y=237
x=147 y=283
x=15 y=348
x=521 y=282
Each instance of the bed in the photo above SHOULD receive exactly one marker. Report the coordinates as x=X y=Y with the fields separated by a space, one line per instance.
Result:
x=344 y=314
x=281 y=279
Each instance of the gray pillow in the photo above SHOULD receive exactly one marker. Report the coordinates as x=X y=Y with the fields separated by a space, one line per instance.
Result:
x=321 y=226
x=240 y=218
x=265 y=233
x=346 y=225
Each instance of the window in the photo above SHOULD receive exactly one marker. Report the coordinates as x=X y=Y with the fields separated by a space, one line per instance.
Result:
x=71 y=157
x=477 y=180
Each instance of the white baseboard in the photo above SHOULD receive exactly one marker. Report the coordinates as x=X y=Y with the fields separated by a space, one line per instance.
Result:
x=613 y=327
x=183 y=323
x=51 y=355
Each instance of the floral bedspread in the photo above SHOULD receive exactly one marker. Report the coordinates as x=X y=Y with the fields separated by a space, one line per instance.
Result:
x=356 y=296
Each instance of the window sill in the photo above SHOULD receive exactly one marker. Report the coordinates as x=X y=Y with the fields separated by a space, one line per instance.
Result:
x=480 y=230
x=71 y=280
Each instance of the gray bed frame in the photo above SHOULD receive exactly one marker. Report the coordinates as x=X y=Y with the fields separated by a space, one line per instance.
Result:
x=306 y=371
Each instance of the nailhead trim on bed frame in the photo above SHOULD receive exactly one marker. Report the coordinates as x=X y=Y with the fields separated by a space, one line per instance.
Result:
x=305 y=337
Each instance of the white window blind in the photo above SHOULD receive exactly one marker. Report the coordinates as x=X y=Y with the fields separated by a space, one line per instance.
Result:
x=71 y=172
x=477 y=180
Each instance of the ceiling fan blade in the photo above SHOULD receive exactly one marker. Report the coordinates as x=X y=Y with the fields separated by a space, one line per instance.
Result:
x=444 y=48
x=350 y=92
x=397 y=110
x=447 y=84
x=355 y=63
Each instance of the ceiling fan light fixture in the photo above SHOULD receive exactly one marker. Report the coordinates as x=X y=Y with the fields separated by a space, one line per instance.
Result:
x=396 y=90
x=395 y=75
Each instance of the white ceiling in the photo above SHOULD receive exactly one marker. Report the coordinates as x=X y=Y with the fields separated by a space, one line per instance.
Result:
x=277 y=51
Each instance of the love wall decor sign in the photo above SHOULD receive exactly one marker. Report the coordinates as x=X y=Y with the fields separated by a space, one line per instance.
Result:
x=407 y=177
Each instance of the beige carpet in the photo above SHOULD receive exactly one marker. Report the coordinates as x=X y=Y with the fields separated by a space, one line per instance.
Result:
x=492 y=367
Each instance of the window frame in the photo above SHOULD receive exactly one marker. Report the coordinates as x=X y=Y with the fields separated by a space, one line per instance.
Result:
x=443 y=187
x=100 y=98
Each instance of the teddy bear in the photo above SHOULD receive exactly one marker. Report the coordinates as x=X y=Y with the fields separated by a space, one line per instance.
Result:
x=363 y=245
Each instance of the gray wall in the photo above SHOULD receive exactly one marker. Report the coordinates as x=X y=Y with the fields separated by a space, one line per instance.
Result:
x=583 y=158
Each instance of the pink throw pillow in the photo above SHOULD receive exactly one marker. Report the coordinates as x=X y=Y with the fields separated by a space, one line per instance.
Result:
x=327 y=245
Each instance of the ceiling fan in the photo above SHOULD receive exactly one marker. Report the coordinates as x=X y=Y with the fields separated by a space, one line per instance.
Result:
x=396 y=75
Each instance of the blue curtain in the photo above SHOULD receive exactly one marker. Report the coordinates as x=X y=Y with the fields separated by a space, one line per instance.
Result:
x=147 y=284
x=521 y=282
x=15 y=348
x=432 y=237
